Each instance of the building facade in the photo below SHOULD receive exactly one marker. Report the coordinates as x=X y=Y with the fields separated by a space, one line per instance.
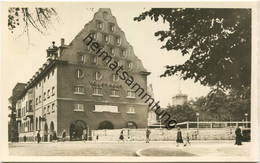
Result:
x=74 y=91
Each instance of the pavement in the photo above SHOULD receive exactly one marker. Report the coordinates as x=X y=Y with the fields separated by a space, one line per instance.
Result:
x=132 y=148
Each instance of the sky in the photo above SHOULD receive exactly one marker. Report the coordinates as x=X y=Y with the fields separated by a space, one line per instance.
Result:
x=23 y=57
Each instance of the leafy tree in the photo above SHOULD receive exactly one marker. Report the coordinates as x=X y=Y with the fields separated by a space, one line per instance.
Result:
x=218 y=42
x=182 y=113
x=38 y=18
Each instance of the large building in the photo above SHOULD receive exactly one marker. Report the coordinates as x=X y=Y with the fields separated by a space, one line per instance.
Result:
x=74 y=90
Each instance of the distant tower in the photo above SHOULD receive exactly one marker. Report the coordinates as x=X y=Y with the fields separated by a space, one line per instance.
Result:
x=179 y=99
x=151 y=113
x=52 y=51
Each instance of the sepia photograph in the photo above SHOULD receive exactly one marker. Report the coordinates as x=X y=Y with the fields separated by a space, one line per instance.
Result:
x=136 y=81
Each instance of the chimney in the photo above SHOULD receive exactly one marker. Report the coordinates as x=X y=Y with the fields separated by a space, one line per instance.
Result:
x=62 y=42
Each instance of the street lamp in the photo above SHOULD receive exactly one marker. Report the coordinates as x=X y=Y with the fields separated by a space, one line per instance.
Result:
x=246 y=118
x=198 y=118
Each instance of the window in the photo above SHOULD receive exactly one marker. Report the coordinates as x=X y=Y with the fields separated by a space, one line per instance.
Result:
x=82 y=59
x=94 y=35
x=124 y=53
x=52 y=107
x=79 y=90
x=97 y=91
x=115 y=77
x=48 y=109
x=79 y=74
x=105 y=15
x=53 y=91
x=44 y=96
x=130 y=94
x=131 y=109
x=40 y=98
x=118 y=40
x=95 y=60
x=99 y=25
x=114 y=93
x=98 y=76
x=130 y=65
x=106 y=38
x=78 y=107
x=112 y=27
x=36 y=101
x=112 y=51
x=48 y=93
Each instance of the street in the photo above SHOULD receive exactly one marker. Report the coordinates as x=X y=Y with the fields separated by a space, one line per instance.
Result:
x=155 y=148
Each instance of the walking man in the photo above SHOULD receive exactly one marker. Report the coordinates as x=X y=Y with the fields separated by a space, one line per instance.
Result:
x=38 y=137
x=148 y=132
x=238 y=136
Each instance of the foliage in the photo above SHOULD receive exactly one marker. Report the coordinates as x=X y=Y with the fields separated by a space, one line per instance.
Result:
x=182 y=113
x=218 y=42
x=38 y=18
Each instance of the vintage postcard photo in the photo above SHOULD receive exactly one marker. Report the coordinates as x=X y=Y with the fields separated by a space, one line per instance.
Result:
x=129 y=81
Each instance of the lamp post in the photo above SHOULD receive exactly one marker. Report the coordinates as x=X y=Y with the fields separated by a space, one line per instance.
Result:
x=246 y=118
x=198 y=118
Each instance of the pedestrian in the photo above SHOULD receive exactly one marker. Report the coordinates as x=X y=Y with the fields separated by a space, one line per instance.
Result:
x=238 y=136
x=84 y=135
x=97 y=137
x=187 y=139
x=179 y=137
x=148 y=132
x=63 y=135
x=38 y=136
x=54 y=136
x=121 y=137
x=24 y=138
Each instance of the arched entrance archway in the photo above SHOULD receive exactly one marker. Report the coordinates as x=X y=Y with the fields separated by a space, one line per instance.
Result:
x=76 y=130
x=106 y=125
x=131 y=124
x=45 y=133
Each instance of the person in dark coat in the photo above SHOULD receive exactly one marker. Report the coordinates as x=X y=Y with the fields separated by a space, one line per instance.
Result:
x=179 y=137
x=238 y=136
x=121 y=137
x=38 y=136
x=54 y=136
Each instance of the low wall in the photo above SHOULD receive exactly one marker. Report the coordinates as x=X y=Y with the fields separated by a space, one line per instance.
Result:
x=166 y=135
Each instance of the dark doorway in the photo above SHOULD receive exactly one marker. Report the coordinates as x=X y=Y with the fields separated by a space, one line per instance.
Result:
x=106 y=125
x=76 y=130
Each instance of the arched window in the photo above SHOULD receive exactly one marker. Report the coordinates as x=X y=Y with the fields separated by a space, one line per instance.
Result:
x=79 y=73
x=98 y=76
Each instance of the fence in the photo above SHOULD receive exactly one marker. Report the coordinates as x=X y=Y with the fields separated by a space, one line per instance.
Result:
x=194 y=130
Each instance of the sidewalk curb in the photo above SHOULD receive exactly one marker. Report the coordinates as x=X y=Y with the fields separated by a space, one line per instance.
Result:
x=138 y=152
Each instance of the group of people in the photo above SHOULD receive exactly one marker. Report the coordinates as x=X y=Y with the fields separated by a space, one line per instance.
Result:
x=148 y=133
x=53 y=136
x=179 y=139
